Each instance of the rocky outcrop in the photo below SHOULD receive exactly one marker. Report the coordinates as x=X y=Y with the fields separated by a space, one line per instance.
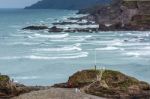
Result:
x=124 y=12
x=35 y=28
x=120 y=15
x=55 y=29
x=73 y=23
x=73 y=30
x=9 y=89
x=108 y=83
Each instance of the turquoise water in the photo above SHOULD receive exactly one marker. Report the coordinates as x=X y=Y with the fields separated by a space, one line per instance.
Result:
x=42 y=58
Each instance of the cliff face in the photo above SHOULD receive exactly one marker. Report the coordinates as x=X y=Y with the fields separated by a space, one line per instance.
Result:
x=122 y=14
x=66 y=4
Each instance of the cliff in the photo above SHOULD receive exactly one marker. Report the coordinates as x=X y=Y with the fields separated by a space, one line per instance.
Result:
x=121 y=15
x=66 y=4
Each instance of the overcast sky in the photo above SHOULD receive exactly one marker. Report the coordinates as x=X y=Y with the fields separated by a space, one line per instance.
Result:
x=16 y=3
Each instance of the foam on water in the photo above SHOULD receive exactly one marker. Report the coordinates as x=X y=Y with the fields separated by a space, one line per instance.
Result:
x=108 y=48
x=138 y=53
x=51 y=36
x=139 y=34
x=21 y=43
x=78 y=26
x=115 y=42
x=74 y=47
x=34 y=57
x=59 y=49
x=73 y=39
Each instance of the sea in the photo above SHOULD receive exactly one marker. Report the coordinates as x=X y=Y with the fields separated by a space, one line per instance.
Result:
x=43 y=58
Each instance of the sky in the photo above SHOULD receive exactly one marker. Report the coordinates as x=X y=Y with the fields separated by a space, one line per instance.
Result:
x=16 y=3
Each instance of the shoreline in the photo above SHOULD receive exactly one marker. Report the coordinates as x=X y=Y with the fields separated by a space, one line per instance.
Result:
x=77 y=85
x=85 y=23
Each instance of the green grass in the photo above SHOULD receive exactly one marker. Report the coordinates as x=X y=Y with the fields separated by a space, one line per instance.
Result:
x=4 y=78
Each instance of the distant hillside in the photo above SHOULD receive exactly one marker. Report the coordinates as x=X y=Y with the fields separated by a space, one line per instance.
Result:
x=66 y=4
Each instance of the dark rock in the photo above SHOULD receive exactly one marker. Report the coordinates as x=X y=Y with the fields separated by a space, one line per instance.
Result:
x=133 y=15
x=72 y=23
x=72 y=30
x=55 y=29
x=35 y=28
x=89 y=30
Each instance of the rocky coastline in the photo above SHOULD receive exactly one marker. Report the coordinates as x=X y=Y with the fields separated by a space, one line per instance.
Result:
x=97 y=83
x=120 y=15
x=126 y=15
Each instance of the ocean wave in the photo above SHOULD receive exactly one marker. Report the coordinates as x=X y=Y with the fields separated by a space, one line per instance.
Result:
x=25 y=31
x=59 y=49
x=86 y=36
x=73 y=47
x=115 y=42
x=21 y=43
x=34 y=57
x=137 y=53
x=139 y=34
x=77 y=44
x=146 y=48
x=136 y=44
x=109 y=48
x=51 y=36
x=72 y=39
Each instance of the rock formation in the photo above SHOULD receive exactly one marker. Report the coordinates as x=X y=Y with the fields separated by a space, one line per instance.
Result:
x=9 y=89
x=131 y=15
x=108 y=83
x=35 y=27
